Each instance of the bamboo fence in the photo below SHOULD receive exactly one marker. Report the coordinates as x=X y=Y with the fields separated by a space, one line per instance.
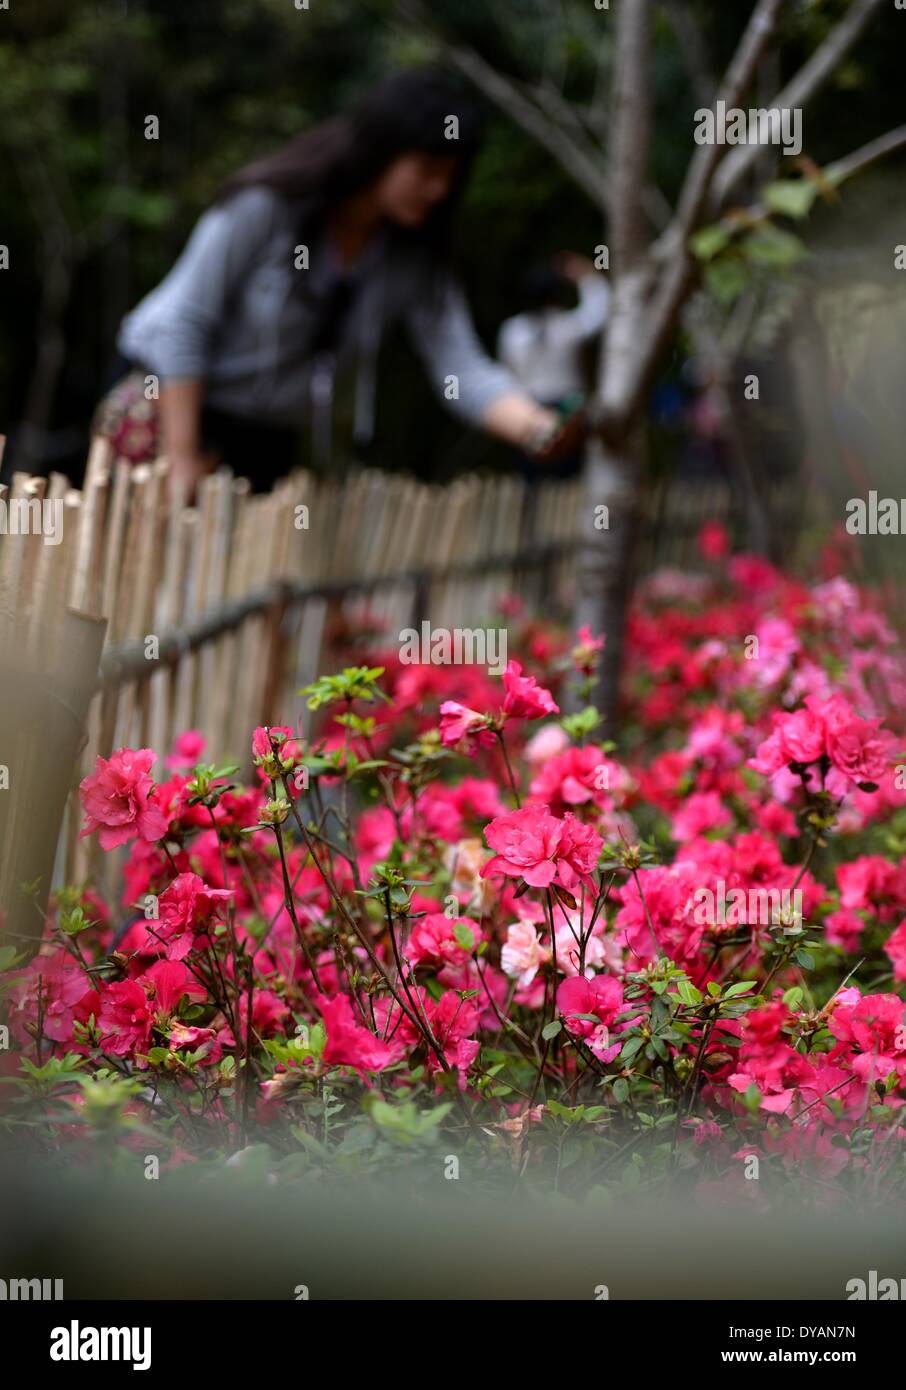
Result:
x=148 y=619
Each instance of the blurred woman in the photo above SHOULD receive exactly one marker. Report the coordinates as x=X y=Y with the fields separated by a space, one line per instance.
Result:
x=544 y=345
x=295 y=275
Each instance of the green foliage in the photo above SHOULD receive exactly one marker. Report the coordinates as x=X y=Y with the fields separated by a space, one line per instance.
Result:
x=405 y=1124
x=354 y=683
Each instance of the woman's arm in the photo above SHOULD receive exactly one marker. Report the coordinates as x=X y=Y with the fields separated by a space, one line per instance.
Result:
x=519 y=420
x=468 y=381
x=172 y=330
x=180 y=419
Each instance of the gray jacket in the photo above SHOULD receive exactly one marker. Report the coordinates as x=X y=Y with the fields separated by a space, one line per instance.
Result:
x=230 y=312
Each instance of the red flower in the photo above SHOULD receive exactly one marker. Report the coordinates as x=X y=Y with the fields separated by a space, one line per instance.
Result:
x=601 y=996
x=119 y=801
x=713 y=541
x=536 y=846
x=525 y=698
x=187 y=749
x=186 y=909
x=54 y=984
x=861 y=750
x=348 y=1043
x=463 y=728
x=125 y=1018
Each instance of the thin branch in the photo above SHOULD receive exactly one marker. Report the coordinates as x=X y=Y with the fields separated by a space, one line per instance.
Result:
x=679 y=273
x=586 y=171
x=861 y=158
x=756 y=37
x=801 y=88
x=631 y=119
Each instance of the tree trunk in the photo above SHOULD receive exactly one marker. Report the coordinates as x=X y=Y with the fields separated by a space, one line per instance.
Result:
x=605 y=561
x=612 y=467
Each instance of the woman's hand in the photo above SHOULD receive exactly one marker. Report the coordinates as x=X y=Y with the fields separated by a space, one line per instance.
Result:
x=535 y=429
x=186 y=472
x=519 y=420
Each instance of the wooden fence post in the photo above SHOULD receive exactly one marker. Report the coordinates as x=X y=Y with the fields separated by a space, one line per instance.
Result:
x=43 y=713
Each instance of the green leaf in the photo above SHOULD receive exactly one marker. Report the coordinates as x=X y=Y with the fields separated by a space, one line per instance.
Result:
x=630 y=1048
x=688 y=993
x=727 y=278
x=621 y=1090
x=708 y=242
x=771 y=246
x=464 y=936
x=550 y=1030
x=8 y=957
x=790 y=197
x=741 y=988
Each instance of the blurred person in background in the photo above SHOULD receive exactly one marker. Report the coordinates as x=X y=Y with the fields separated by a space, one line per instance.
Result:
x=544 y=345
x=294 y=276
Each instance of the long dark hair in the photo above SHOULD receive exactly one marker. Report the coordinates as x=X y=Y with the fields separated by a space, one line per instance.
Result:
x=346 y=154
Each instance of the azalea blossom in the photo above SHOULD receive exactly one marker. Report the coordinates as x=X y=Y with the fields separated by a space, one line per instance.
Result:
x=118 y=799
x=525 y=698
x=540 y=848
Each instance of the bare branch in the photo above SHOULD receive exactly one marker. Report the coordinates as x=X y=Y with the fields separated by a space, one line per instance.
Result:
x=511 y=99
x=577 y=159
x=758 y=34
x=833 y=174
x=679 y=272
x=801 y=88
x=864 y=156
x=630 y=125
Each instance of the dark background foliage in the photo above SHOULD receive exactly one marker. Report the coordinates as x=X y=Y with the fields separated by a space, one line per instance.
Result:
x=94 y=214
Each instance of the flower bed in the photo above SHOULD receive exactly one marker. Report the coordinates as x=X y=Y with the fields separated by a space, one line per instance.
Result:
x=456 y=929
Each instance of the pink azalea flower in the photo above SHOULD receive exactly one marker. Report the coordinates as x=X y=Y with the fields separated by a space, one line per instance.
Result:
x=547 y=742
x=700 y=812
x=186 y=909
x=895 y=946
x=861 y=750
x=713 y=541
x=187 y=749
x=125 y=1018
x=56 y=984
x=579 y=776
x=801 y=736
x=525 y=698
x=436 y=938
x=601 y=997
x=844 y=929
x=203 y=1041
x=348 y=1043
x=584 y=654
x=523 y=953
x=534 y=845
x=870 y=1033
x=119 y=800
x=165 y=983
x=464 y=729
